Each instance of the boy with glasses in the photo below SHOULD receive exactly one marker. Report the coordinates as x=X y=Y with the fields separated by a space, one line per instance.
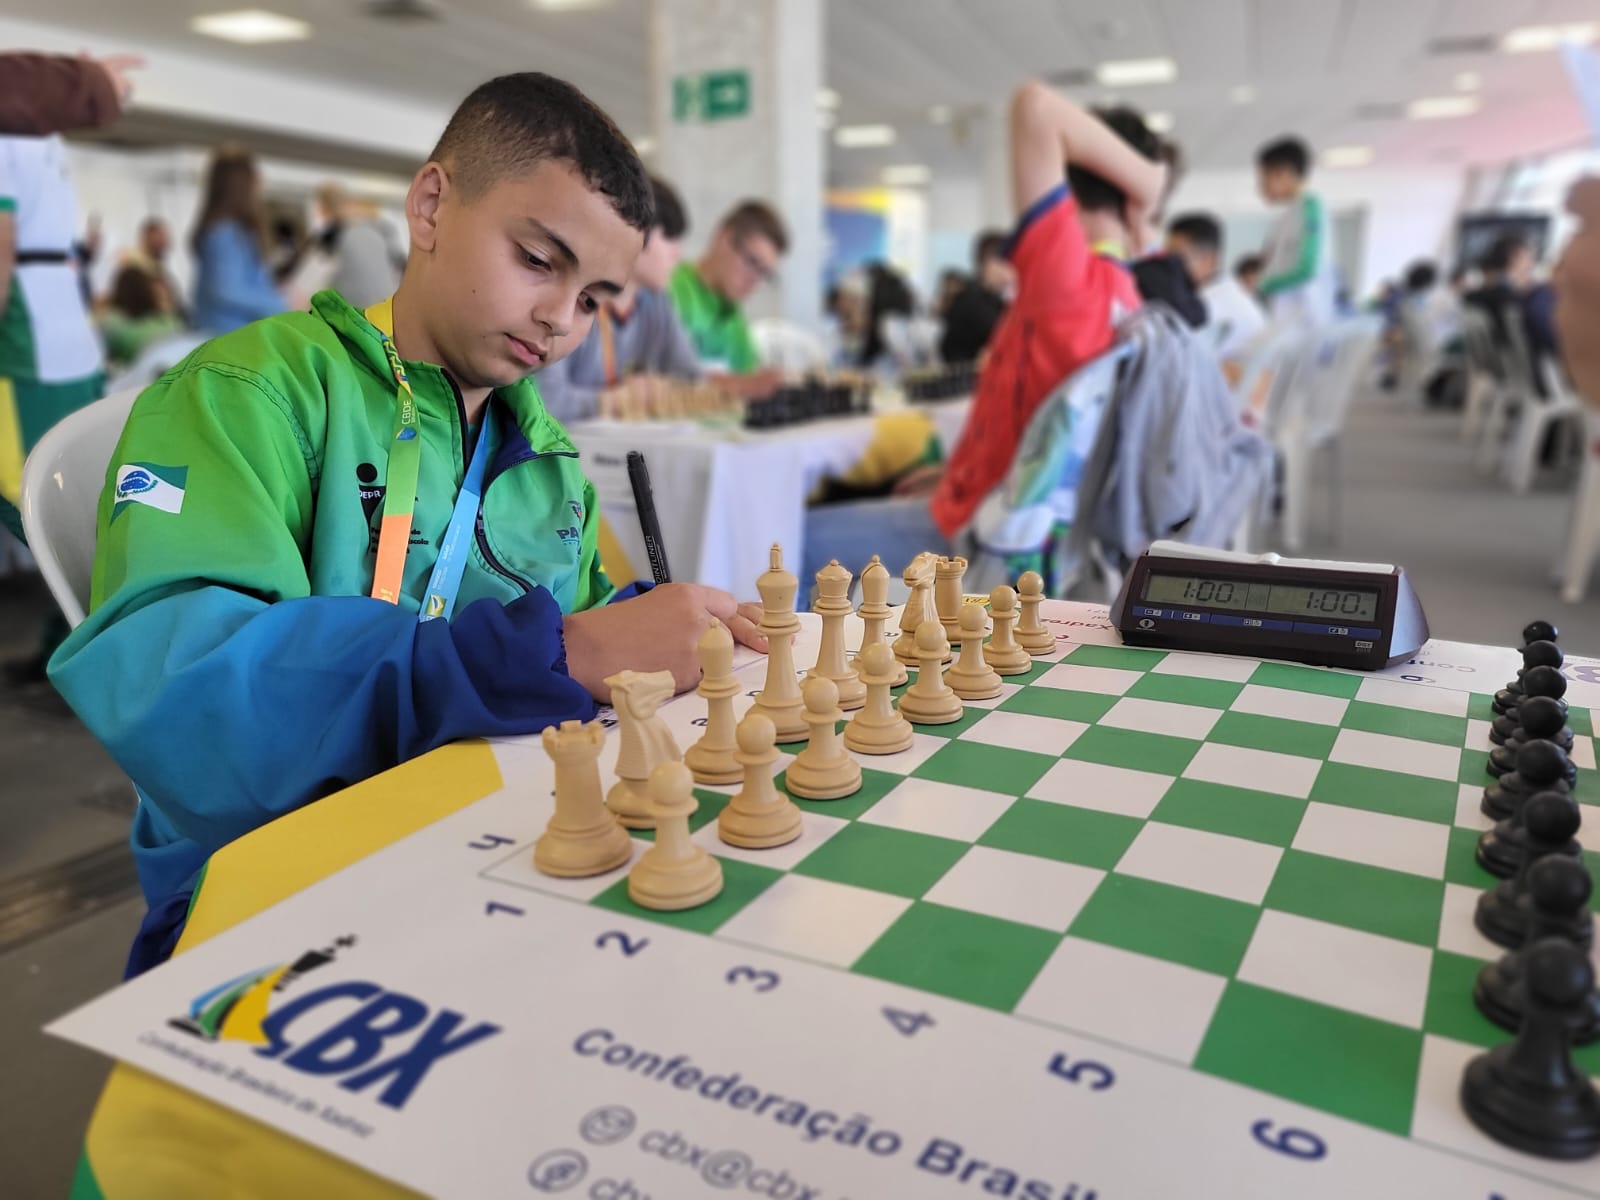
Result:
x=744 y=254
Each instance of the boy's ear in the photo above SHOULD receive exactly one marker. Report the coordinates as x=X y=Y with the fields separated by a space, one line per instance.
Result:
x=423 y=201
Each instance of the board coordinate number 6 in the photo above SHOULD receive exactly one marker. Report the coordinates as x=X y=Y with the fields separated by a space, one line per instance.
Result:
x=1296 y=1143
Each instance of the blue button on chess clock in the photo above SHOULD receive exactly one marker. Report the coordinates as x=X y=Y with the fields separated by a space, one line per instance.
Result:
x=1336 y=614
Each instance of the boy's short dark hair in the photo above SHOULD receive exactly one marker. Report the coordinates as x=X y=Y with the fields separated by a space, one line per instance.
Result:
x=991 y=243
x=1288 y=153
x=757 y=218
x=669 y=210
x=1095 y=194
x=514 y=122
x=1250 y=264
x=1503 y=250
x=1421 y=276
x=1201 y=230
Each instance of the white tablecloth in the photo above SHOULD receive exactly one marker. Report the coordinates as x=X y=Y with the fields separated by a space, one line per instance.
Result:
x=724 y=494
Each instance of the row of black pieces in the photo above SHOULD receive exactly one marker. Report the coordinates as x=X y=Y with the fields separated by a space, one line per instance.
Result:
x=1529 y=1093
x=944 y=384
x=794 y=404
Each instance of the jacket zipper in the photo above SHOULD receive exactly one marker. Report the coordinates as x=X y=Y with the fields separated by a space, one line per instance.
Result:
x=478 y=533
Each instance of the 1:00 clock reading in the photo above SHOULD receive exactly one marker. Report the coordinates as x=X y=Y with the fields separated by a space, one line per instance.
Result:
x=1290 y=600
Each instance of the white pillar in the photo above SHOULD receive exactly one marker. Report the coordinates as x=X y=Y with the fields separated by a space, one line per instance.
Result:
x=717 y=150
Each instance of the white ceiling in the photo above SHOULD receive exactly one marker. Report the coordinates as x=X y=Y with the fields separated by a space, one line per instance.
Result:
x=1312 y=64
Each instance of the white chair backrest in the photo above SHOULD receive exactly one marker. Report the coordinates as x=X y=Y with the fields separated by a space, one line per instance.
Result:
x=61 y=485
x=157 y=359
x=788 y=346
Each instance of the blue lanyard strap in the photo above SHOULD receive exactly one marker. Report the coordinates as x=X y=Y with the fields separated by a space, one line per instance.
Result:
x=445 y=582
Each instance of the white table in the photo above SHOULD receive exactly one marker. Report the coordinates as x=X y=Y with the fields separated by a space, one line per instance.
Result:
x=724 y=494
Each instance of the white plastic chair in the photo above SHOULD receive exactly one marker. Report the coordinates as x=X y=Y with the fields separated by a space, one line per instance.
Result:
x=1513 y=393
x=61 y=485
x=157 y=359
x=1559 y=409
x=1583 y=538
x=788 y=346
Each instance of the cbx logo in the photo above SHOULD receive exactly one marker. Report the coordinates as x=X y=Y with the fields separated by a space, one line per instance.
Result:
x=318 y=1034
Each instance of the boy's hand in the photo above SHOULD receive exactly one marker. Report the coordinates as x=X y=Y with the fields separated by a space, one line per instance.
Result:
x=658 y=631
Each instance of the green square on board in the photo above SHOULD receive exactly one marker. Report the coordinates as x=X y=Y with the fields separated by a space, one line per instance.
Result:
x=711 y=806
x=1133 y=748
x=1358 y=896
x=1451 y=1012
x=1474 y=768
x=1461 y=860
x=1405 y=722
x=882 y=859
x=1256 y=732
x=1064 y=833
x=742 y=882
x=1123 y=658
x=1386 y=792
x=1209 y=933
x=1581 y=720
x=1186 y=689
x=964 y=955
x=875 y=785
x=1480 y=707
x=1306 y=679
x=1059 y=704
x=970 y=716
x=988 y=768
x=1237 y=812
x=1329 y=1058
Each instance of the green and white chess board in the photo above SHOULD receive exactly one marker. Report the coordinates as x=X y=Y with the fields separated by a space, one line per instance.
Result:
x=1146 y=924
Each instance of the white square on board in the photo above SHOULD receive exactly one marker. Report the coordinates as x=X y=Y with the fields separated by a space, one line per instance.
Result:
x=1007 y=690
x=1376 y=839
x=940 y=809
x=1385 y=752
x=1291 y=706
x=1469 y=806
x=521 y=871
x=817 y=919
x=1418 y=697
x=1206 y=666
x=1438 y=1120
x=1457 y=933
x=1104 y=681
x=1344 y=968
x=1204 y=862
x=1478 y=735
x=1259 y=770
x=1023 y=731
x=1162 y=716
x=1017 y=887
x=1102 y=788
x=1583 y=753
x=1147 y=1003
x=815 y=828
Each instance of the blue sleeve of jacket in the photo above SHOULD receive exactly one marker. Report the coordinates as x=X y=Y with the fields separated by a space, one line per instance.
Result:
x=236 y=284
x=254 y=709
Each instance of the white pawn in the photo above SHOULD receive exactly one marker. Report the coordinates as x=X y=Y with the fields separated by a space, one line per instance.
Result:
x=878 y=728
x=674 y=873
x=1032 y=636
x=823 y=770
x=583 y=837
x=971 y=677
x=646 y=742
x=759 y=815
x=1002 y=653
x=875 y=613
x=833 y=605
x=929 y=701
x=712 y=759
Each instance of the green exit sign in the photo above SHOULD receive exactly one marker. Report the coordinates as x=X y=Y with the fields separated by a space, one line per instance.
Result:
x=711 y=96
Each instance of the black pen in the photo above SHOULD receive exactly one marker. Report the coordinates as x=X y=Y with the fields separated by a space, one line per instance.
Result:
x=644 y=500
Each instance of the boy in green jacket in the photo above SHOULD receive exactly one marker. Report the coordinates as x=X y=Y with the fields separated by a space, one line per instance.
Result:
x=332 y=541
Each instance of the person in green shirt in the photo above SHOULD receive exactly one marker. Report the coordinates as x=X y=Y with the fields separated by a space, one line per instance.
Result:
x=744 y=253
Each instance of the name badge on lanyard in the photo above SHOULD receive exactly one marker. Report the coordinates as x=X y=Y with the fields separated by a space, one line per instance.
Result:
x=399 y=500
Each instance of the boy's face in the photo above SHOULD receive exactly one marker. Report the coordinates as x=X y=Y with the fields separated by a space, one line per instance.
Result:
x=1198 y=261
x=653 y=270
x=1278 y=184
x=739 y=265
x=514 y=275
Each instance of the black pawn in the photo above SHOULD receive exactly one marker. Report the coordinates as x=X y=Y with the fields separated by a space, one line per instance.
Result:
x=1541 y=767
x=1536 y=681
x=1534 y=654
x=1541 y=718
x=1529 y=1094
x=1500 y=850
x=1558 y=895
x=1504 y=912
x=1540 y=631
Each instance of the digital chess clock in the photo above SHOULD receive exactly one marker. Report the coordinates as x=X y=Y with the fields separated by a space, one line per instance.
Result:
x=1333 y=614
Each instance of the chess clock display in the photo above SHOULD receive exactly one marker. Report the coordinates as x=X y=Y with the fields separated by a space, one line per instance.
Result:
x=1335 y=614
